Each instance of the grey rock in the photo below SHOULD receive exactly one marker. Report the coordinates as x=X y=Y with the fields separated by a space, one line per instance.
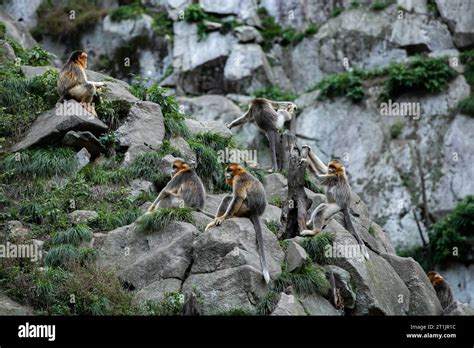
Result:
x=275 y=185
x=243 y=9
x=461 y=279
x=295 y=256
x=156 y=291
x=246 y=33
x=197 y=127
x=142 y=259
x=16 y=230
x=83 y=158
x=379 y=289
x=23 y=11
x=210 y=107
x=416 y=6
x=183 y=147
x=82 y=216
x=11 y=308
x=6 y=52
x=144 y=128
x=342 y=279
x=457 y=308
x=423 y=299
x=318 y=305
x=458 y=15
x=288 y=305
x=79 y=140
x=51 y=126
x=16 y=31
x=138 y=186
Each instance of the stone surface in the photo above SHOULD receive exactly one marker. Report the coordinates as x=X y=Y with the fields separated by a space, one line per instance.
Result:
x=288 y=305
x=342 y=279
x=458 y=15
x=51 y=126
x=11 y=308
x=197 y=127
x=143 y=128
x=295 y=256
x=78 y=140
x=318 y=305
x=83 y=216
x=423 y=299
x=16 y=31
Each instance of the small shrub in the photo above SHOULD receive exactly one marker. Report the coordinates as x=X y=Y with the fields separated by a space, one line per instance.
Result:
x=466 y=106
x=172 y=304
x=337 y=10
x=342 y=84
x=274 y=93
x=62 y=255
x=42 y=163
x=316 y=246
x=380 y=5
x=274 y=227
x=161 y=218
x=309 y=279
x=425 y=75
x=267 y=304
x=126 y=12
x=73 y=236
x=396 y=129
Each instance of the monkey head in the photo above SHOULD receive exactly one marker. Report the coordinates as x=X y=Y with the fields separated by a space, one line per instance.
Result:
x=336 y=166
x=231 y=171
x=79 y=57
x=179 y=165
x=435 y=278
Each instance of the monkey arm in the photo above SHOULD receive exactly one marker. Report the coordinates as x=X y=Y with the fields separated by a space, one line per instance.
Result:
x=239 y=121
x=97 y=84
x=234 y=206
x=281 y=105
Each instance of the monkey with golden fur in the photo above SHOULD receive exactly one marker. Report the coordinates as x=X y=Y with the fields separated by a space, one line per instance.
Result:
x=185 y=189
x=338 y=195
x=442 y=288
x=247 y=200
x=73 y=83
x=270 y=117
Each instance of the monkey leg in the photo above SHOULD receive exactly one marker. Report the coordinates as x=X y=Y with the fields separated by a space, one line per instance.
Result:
x=223 y=205
x=320 y=216
x=84 y=93
x=272 y=137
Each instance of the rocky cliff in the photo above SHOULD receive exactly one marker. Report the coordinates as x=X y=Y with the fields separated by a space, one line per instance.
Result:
x=214 y=57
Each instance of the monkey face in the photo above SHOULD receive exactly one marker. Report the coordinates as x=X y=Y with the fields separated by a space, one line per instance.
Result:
x=83 y=60
x=231 y=171
x=179 y=165
x=335 y=167
x=435 y=277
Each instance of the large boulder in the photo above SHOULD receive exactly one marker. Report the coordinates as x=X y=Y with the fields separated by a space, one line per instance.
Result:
x=210 y=107
x=16 y=31
x=423 y=299
x=145 y=259
x=197 y=127
x=288 y=305
x=23 y=11
x=226 y=271
x=458 y=15
x=9 y=307
x=78 y=140
x=379 y=289
x=242 y=9
x=51 y=126
x=318 y=305
x=143 y=128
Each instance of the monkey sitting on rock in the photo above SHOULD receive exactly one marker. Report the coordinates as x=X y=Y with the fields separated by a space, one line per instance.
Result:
x=270 y=117
x=185 y=189
x=73 y=83
x=442 y=288
x=247 y=200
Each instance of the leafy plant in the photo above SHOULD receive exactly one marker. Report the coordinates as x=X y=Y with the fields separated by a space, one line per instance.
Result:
x=126 y=12
x=267 y=304
x=161 y=218
x=396 y=129
x=309 y=279
x=274 y=93
x=336 y=11
x=172 y=304
x=466 y=106
x=343 y=84
x=316 y=246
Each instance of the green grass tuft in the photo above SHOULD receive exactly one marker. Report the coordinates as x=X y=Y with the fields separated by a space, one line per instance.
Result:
x=345 y=84
x=267 y=304
x=161 y=218
x=396 y=129
x=62 y=255
x=466 y=106
x=172 y=304
x=41 y=163
x=122 y=13
x=316 y=246
x=73 y=236
x=310 y=279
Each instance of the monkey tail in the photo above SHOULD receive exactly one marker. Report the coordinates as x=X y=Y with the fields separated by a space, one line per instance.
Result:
x=206 y=213
x=350 y=227
x=258 y=232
